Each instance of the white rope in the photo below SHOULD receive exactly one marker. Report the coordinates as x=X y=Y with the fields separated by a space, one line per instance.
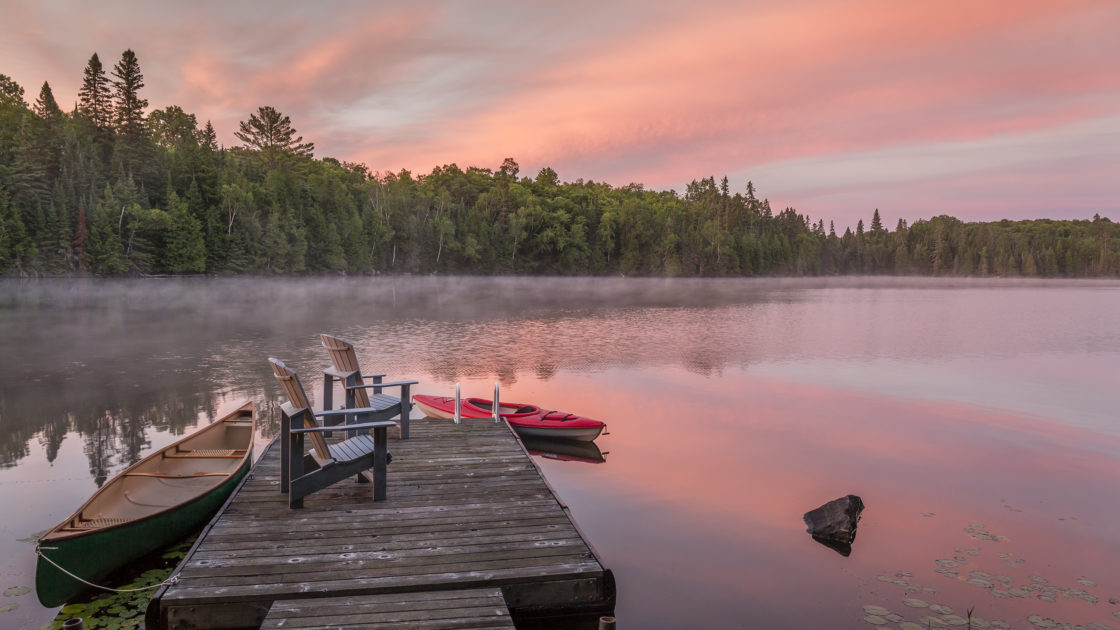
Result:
x=174 y=579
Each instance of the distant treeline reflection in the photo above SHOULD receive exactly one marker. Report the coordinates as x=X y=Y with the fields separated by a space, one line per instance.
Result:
x=111 y=438
x=110 y=189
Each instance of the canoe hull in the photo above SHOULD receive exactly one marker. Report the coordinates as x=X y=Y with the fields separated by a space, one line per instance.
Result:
x=96 y=554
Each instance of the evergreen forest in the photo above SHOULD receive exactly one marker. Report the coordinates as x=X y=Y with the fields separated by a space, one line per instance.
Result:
x=111 y=188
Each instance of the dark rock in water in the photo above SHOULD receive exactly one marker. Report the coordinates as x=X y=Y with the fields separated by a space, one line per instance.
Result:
x=834 y=523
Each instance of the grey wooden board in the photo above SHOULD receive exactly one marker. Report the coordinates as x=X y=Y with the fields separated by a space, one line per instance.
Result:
x=469 y=608
x=466 y=509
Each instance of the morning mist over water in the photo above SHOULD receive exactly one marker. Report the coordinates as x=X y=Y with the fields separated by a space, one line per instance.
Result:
x=976 y=418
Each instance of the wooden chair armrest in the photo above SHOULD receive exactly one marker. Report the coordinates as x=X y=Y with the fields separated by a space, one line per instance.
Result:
x=348 y=427
x=339 y=374
x=385 y=384
x=373 y=376
x=330 y=413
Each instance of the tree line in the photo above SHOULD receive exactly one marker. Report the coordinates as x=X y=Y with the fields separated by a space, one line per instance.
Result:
x=109 y=188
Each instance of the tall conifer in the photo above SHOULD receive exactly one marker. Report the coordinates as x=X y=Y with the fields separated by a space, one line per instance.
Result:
x=94 y=97
x=128 y=107
x=46 y=108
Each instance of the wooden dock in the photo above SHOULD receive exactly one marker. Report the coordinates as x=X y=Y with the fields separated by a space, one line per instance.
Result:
x=467 y=509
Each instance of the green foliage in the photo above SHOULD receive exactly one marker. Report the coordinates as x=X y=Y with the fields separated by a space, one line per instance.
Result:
x=109 y=190
x=185 y=251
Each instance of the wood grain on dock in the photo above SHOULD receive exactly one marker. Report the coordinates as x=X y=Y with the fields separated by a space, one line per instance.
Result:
x=466 y=509
x=436 y=610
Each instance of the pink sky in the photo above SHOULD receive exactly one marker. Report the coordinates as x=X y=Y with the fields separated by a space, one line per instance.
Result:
x=983 y=110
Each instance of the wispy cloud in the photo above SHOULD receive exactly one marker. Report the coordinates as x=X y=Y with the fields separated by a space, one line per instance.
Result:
x=838 y=105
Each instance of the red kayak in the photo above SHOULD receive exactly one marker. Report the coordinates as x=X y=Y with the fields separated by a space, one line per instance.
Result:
x=528 y=420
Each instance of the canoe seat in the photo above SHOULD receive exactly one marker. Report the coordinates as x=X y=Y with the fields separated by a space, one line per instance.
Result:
x=208 y=452
x=98 y=523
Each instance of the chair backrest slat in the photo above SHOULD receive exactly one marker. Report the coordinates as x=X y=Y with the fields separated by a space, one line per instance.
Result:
x=344 y=359
x=293 y=389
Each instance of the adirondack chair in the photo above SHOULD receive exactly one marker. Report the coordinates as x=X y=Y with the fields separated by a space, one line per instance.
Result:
x=331 y=463
x=344 y=367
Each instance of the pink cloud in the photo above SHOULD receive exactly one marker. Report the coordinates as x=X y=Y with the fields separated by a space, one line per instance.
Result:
x=660 y=96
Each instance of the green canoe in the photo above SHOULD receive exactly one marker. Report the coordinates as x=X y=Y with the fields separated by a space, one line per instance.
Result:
x=155 y=502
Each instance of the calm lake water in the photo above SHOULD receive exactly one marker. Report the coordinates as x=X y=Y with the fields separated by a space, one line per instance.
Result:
x=976 y=419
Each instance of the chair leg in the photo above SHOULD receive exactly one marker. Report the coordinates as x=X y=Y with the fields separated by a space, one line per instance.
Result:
x=285 y=452
x=328 y=396
x=296 y=468
x=380 y=465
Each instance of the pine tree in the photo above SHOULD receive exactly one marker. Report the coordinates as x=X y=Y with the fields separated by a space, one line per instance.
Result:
x=133 y=148
x=876 y=222
x=47 y=135
x=272 y=134
x=94 y=97
x=128 y=107
x=207 y=139
x=46 y=108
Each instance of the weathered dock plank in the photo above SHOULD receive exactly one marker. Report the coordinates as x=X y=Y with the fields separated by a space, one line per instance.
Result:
x=466 y=509
x=440 y=610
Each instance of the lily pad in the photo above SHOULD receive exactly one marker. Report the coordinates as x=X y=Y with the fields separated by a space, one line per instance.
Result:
x=955 y=620
x=1039 y=621
x=872 y=609
x=73 y=609
x=941 y=609
x=8 y=608
x=16 y=591
x=915 y=603
x=875 y=620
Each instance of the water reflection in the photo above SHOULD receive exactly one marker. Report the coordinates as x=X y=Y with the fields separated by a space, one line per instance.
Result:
x=733 y=408
x=713 y=484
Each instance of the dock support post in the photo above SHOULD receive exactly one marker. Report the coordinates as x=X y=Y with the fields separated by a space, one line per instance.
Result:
x=497 y=416
x=458 y=406
x=606 y=623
